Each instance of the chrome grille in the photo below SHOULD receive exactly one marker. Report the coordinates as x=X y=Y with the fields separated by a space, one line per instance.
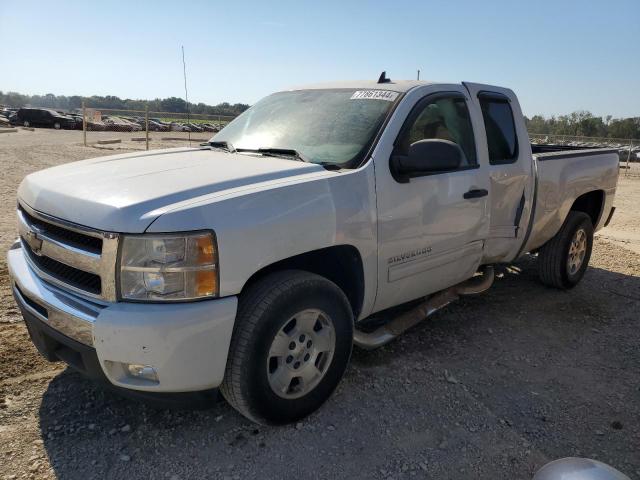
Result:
x=76 y=239
x=74 y=257
x=77 y=278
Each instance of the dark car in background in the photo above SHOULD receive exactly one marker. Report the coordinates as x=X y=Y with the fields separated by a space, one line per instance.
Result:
x=162 y=122
x=209 y=127
x=92 y=124
x=43 y=117
x=120 y=124
x=194 y=127
x=158 y=127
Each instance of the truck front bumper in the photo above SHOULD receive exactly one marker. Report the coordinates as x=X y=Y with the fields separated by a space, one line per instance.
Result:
x=179 y=347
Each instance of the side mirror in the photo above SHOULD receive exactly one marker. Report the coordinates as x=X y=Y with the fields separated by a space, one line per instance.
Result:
x=425 y=157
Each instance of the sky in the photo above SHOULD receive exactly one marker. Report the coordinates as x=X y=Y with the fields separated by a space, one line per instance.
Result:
x=557 y=55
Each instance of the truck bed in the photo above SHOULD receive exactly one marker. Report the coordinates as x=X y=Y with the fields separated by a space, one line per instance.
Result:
x=564 y=173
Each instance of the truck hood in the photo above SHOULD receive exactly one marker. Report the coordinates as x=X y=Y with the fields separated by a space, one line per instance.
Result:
x=125 y=193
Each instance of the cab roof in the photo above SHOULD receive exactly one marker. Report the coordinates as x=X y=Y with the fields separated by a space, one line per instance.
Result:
x=394 y=85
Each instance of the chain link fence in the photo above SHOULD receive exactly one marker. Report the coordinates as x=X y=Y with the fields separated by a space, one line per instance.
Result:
x=107 y=126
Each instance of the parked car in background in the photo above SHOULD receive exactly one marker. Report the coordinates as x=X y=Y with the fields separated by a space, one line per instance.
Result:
x=77 y=119
x=153 y=125
x=207 y=127
x=135 y=120
x=91 y=123
x=4 y=121
x=195 y=127
x=158 y=127
x=120 y=125
x=7 y=111
x=179 y=127
x=162 y=122
x=44 y=117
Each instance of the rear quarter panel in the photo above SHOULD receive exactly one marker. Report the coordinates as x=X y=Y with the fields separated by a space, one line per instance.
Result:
x=563 y=177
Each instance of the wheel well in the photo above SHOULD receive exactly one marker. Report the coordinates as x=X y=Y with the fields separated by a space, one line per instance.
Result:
x=341 y=264
x=590 y=203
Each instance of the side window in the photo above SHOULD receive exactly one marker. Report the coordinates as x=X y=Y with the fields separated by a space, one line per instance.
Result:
x=446 y=119
x=502 y=140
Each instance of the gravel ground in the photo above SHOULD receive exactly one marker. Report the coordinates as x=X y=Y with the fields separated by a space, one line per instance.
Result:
x=493 y=386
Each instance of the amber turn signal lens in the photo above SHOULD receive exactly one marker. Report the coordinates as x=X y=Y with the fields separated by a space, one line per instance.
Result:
x=206 y=250
x=206 y=283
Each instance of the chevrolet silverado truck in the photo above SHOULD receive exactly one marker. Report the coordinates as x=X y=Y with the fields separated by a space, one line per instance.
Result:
x=253 y=263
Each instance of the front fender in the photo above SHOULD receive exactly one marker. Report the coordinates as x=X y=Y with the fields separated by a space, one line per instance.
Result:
x=264 y=225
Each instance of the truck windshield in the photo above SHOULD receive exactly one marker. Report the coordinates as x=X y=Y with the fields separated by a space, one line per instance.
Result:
x=325 y=126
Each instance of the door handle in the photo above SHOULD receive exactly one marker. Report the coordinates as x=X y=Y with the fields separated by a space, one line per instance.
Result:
x=476 y=193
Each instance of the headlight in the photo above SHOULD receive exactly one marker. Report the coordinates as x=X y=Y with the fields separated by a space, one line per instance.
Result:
x=169 y=267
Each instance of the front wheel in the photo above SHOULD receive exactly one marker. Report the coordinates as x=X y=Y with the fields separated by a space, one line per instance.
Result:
x=57 y=125
x=26 y=124
x=290 y=347
x=563 y=260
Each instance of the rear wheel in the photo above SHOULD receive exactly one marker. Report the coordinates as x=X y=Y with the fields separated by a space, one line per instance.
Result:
x=290 y=347
x=565 y=258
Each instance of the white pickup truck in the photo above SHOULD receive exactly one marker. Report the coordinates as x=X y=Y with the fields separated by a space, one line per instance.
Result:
x=253 y=262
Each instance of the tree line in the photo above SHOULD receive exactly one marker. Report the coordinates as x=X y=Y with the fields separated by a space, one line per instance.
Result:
x=73 y=102
x=585 y=124
x=579 y=124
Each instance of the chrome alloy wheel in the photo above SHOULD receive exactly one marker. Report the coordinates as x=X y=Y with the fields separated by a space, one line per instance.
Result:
x=300 y=353
x=577 y=251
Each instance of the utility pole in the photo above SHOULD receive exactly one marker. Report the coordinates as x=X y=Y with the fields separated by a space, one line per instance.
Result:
x=146 y=123
x=186 y=94
x=84 y=124
x=418 y=74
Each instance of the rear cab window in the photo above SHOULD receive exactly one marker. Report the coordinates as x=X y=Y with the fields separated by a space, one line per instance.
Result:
x=502 y=140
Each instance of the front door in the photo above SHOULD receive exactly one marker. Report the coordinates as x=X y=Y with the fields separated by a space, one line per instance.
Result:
x=431 y=230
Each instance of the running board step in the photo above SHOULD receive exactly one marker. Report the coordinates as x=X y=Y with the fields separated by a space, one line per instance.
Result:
x=403 y=322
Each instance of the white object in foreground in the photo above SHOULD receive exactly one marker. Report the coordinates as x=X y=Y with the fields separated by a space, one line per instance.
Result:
x=574 y=468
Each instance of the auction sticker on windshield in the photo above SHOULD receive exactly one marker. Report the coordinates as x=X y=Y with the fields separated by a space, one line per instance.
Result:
x=387 y=95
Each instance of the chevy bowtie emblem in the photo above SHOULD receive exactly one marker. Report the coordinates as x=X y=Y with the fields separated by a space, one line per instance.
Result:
x=34 y=242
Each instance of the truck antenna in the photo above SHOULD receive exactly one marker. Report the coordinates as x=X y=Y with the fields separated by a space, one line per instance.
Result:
x=186 y=95
x=383 y=78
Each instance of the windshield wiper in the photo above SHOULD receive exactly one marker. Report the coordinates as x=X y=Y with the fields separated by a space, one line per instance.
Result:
x=278 y=152
x=226 y=146
x=290 y=153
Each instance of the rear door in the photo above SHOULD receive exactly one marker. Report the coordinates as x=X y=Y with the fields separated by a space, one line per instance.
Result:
x=47 y=118
x=430 y=230
x=39 y=117
x=504 y=142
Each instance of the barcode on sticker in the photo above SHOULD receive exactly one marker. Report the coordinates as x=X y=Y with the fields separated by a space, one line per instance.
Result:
x=387 y=95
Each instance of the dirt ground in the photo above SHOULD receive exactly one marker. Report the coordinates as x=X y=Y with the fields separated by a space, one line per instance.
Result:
x=491 y=387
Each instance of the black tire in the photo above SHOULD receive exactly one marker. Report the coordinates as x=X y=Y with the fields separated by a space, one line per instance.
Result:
x=262 y=311
x=57 y=125
x=553 y=256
